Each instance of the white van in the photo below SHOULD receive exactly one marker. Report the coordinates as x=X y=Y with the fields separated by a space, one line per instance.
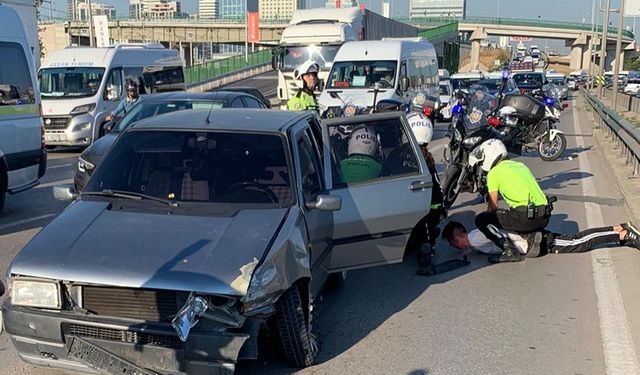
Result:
x=80 y=86
x=400 y=67
x=23 y=159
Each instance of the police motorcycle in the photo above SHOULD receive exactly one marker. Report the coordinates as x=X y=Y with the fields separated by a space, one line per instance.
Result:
x=530 y=123
x=475 y=122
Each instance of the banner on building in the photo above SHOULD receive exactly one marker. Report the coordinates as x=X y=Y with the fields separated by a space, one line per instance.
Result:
x=253 y=24
x=520 y=38
x=101 y=30
x=632 y=8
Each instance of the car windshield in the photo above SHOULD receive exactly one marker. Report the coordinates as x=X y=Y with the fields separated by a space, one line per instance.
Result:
x=492 y=84
x=323 y=55
x=70 y=82
x=197 y=166
x=358 y=74
x=146 y=109
x=557 y=81
x=528 y=79
x=463 y=83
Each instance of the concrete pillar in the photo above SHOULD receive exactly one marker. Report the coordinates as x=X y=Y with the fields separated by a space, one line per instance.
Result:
x=576 y=57
x=478 y=35
x=586 y=59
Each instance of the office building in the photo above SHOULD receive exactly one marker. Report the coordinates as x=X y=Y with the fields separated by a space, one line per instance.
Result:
x=279 y=9
x=154 y=9
x=208 y=9
x=231 y=9
x=341 y=4
x=438 y=8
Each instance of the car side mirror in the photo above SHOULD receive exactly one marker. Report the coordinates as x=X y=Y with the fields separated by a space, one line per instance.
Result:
x=274 y=62
x=108 y=126
x=320 y=86
x=404 y=83
x=326 y=203
x=64 y=193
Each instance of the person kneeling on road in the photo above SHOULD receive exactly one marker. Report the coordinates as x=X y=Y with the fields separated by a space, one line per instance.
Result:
x=529 y=209
x=545 y=242
x=361 y=163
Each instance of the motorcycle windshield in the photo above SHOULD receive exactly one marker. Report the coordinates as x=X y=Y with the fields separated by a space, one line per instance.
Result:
x=552 y=90
x=481 y=106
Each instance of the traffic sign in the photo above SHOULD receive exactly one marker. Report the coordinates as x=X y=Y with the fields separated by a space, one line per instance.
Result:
x=521 y=38
x=190 y=34
x=632 y=9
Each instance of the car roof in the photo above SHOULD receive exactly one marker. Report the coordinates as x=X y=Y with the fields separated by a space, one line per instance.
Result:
x=185 y=95
x=263 y=120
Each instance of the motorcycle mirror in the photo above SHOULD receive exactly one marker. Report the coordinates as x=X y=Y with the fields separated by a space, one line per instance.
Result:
x=565 y=105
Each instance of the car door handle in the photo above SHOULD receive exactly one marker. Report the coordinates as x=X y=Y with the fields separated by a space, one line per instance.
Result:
x=420 y=185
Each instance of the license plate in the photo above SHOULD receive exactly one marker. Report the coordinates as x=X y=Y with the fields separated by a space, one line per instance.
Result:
x=102 y=360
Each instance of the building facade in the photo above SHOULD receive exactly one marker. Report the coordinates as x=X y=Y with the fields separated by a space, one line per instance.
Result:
x=154 y=9
x=438 y=8
x=208 y=9
x=231 y=9
x=82 y=10
x=279 y=9
x=341 y=4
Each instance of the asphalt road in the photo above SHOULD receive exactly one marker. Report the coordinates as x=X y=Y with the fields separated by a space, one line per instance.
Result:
x=560 y=314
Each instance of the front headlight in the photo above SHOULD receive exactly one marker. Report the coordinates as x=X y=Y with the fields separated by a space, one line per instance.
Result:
x=85 y=166
x=83 y=109
x=471 y=141
x=34 y=293
x=82 y=127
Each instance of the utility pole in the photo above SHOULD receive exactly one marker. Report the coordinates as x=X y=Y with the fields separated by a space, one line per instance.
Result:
x=603 y=42
x=616 y=67
x=91 y=42
x=246 y=31
x=592 y=44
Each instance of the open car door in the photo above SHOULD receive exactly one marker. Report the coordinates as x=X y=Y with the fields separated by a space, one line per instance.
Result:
x=374 y=164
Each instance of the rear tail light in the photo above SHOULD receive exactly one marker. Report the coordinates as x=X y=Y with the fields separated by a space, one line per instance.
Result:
x=494 y=121
x=42 y=144
x=428 y=111
x=523 y=91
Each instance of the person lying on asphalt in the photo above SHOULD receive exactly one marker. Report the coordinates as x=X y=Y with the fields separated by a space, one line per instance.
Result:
x=544 y=242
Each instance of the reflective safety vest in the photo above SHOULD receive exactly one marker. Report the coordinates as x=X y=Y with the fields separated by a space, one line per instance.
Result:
x=302 y=101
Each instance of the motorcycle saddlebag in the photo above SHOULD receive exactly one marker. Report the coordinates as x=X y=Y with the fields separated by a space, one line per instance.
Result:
x=531 y=110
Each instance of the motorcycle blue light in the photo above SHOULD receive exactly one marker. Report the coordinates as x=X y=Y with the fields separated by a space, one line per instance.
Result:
x=548 y=101
x=457 y=109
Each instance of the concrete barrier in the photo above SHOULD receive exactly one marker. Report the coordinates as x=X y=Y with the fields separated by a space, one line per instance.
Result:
x=229 y=78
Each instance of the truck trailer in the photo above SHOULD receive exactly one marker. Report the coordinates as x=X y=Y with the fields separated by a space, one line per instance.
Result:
x=317 y=34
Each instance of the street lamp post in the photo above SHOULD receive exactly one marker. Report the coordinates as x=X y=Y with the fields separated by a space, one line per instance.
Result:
x=616 y=68
x=246 y=31
x=603 y=42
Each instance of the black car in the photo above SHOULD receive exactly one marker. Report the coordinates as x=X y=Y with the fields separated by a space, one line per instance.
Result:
x=153 y=105
x=251 y=91
x=530 y=81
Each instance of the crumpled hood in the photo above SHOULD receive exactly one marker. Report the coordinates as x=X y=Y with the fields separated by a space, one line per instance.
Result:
x=89 y=243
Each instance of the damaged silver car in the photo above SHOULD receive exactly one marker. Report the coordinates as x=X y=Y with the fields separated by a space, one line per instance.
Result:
x=200 y=228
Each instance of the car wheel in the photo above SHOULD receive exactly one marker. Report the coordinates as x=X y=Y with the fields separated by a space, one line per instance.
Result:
x=336 y=280
x=296 y=324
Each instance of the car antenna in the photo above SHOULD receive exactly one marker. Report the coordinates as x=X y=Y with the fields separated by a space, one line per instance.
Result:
x=208 y=120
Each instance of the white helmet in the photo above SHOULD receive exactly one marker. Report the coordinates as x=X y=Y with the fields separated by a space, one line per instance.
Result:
x=363 y=141
x=507 y=110
x=308 y=66
x=421 y=127
x=488 y=154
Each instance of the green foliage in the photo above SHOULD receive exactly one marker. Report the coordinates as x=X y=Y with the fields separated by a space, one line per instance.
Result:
x=503 y=55
x=632 y=63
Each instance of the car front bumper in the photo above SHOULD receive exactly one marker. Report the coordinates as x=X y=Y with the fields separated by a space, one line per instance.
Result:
x=77 y=132
x=45 y=337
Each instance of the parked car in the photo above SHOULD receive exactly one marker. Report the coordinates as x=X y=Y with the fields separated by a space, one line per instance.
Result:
x=632 y=87
x=153 y=105
x=493 y=83
x=559 y=80
x=199 y=229
x=529 y=81
x=248 y=90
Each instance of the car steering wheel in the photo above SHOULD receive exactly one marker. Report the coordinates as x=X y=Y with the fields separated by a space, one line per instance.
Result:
x=384 y=82
x=261 y=188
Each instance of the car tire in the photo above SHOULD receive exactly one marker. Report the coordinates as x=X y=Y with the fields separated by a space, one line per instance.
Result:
x=336 y=280
x=296 y=329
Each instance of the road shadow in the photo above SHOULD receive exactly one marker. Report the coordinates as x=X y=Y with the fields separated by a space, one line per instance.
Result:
x=44 y=209
x=570 y=177
x=368 y=299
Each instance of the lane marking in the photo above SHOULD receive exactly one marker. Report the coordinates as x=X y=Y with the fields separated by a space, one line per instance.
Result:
x=59 y=166
x=24 y=221
x=53 y=183
x=619 y=349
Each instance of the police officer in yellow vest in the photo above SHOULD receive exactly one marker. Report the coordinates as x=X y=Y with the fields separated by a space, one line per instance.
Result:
x=305 y=99
x=529 y=209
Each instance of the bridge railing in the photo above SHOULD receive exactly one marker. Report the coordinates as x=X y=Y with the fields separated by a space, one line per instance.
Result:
x=439 y=31
x=512 y=22
x=213 y=69
x=626 y=136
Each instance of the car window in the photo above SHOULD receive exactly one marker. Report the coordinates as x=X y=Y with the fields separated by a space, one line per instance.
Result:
x=372 y=151
x=16 y=87
x=309 y=167
x=252 y=103
x=113 y=90
x=190 y=166
x=237 y=103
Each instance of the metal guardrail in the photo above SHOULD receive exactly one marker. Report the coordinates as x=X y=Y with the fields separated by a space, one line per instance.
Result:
x=512 y=22
x=229 y=65
x=626 y=136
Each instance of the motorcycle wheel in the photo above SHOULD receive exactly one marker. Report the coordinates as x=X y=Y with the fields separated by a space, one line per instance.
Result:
x=450 y=188
x=552 y=150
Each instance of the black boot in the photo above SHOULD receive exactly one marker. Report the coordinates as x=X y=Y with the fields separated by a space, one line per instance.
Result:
x=510 y=253
x=534 y=241
x=425 y=260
